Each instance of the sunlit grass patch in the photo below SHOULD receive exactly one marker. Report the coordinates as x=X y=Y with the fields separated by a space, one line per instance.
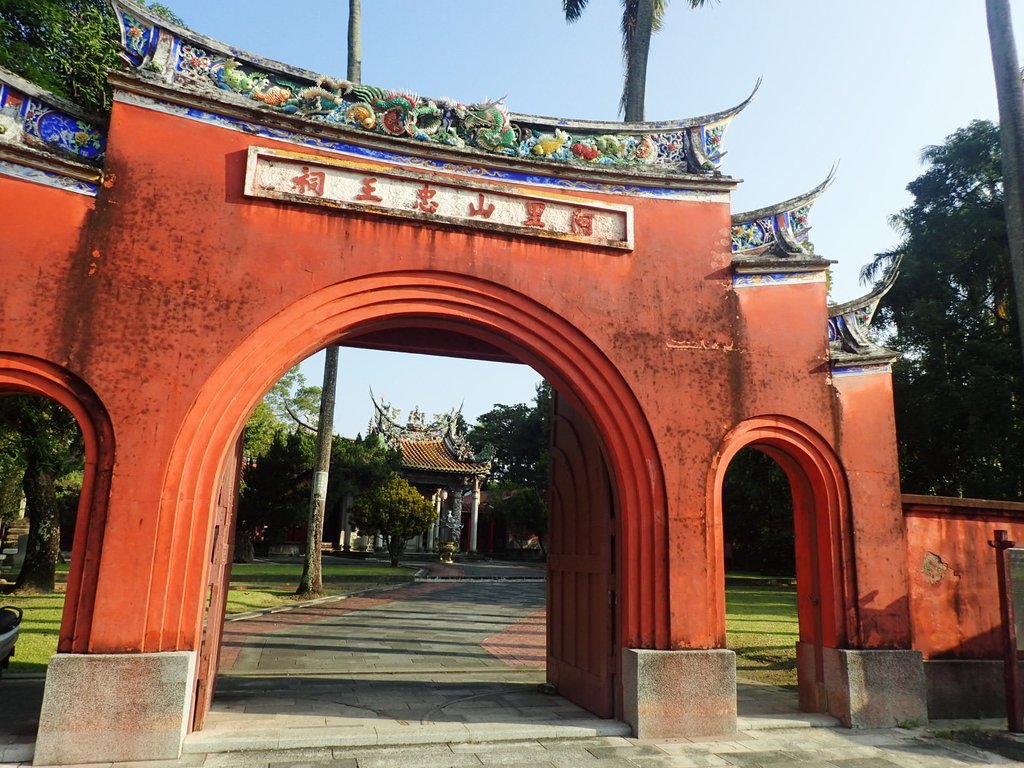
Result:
x=332 y=573
x=40 y=628
x=761 y=627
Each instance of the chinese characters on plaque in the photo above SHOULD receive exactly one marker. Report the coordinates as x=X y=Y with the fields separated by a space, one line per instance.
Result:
x=448 y=200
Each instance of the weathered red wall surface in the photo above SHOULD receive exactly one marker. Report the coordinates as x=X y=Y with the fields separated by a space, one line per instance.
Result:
x=43 y=264
x=186 y=300
x=954 y=600
x=867 y=449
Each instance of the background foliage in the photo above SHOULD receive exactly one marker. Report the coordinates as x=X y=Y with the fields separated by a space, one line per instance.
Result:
x=65 y=46
x=958 y=384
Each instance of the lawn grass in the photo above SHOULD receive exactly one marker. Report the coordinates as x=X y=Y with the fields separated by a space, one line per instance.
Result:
x=333 y=573
x=39 y=629
x=761 y=627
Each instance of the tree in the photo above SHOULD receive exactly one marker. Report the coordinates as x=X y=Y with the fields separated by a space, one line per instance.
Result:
x=275 y=491
x=520 y=436
x=524 y=509
x=1011 y=130
x=65 y=46
x=757 y=515
x=959 y=412
x=43 y=438
x=292 y=402
x=394 y=510
x=312 y=582
x=640 y=20
x=358 y=465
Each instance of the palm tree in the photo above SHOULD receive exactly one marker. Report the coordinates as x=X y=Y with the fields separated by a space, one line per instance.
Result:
x=1011 y=132
x=640 y=19
x=311 y=582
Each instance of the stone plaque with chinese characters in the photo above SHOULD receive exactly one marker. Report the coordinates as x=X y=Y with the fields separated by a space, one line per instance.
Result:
x=444 y=200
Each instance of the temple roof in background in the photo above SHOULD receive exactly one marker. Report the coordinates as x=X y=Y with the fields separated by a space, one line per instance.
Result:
x=436 y=445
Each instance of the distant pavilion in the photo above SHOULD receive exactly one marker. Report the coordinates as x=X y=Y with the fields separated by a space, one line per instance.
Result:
x=440 y=463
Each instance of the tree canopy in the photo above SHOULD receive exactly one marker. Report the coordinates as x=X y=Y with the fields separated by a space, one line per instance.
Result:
x=395 y=510
x=640 y=20
x=959 y=417
x=41 y=444
x=517 y=488
x=65 y=46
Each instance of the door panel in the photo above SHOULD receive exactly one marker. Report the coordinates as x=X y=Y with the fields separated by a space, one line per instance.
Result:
x=222 y=554
x=581 y=656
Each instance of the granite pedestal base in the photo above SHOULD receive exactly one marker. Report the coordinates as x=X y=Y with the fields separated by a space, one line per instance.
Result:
x=875 y=689
x=102 y=708
x=668 y=694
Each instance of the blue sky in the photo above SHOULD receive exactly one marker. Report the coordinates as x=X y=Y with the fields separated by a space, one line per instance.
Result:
x=867 y=85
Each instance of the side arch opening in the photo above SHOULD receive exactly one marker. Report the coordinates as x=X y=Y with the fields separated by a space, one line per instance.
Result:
x=824 y=568
x=23 y=374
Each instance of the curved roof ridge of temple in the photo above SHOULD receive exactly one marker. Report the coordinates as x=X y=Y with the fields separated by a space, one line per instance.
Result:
x=164 y=53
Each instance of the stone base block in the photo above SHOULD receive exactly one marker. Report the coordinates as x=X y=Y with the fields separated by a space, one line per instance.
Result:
x=965 y=689
x=875 y=689
x=671 y=694
x=102 y=708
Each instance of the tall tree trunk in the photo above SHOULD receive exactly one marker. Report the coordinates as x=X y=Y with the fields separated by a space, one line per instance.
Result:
x=637 y=50
x=39 y=567
x=312 y=570
x=355 y=41
x=1011 y=132
x=312 y=578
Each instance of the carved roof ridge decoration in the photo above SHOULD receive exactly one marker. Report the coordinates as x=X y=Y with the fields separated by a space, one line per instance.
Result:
x=442 y=430
x=778 y=231
x=186 y=59
x=799 y=201
x=647 y=126
x=50 y=133
x=849 y=323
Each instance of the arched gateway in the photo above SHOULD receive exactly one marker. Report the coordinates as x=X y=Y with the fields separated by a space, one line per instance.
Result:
x=239 y=215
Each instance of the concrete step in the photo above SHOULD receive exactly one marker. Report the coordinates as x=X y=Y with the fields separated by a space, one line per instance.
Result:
x=366 y=733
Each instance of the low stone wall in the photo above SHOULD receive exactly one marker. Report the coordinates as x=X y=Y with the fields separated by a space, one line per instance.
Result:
x=965 y=689
x=954 y=600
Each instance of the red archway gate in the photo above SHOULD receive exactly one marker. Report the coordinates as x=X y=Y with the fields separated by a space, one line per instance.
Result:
x=225 y=236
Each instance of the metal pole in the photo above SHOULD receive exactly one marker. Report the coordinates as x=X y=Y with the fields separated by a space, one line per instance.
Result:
x=1011 y=670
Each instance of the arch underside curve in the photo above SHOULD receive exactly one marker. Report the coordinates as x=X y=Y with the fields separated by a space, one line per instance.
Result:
x=24 y=374
x=440 y=301
x=819 y=489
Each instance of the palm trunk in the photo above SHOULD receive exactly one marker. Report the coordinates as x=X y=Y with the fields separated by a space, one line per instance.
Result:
x=355 y=43
x=312 y=575
x=38 y=571
x=637 y=50
x=1011 y=131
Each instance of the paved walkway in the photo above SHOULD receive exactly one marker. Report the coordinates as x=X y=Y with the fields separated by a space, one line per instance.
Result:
x=427 y=663
x=450 y=673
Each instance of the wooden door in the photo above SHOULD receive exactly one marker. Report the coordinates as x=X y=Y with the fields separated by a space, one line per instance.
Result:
x=221 y=555
x=581 y=659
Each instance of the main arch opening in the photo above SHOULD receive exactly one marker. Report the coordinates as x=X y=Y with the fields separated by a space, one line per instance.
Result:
x=601 y=483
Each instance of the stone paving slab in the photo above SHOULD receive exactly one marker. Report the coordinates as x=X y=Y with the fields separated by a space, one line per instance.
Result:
x=829 y=748
x=411 y=677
